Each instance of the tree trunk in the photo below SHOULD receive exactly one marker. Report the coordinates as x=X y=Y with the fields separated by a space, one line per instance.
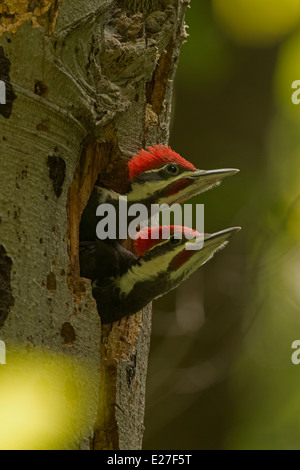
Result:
x=87 y=83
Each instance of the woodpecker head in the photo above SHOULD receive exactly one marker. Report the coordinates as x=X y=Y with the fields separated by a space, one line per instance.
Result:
x=156 y=176
x=160 y=175
x=162 y=265
x=177 y=256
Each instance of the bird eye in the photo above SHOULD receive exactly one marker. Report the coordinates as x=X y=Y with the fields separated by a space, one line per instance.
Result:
x=172 y=169
x=174 y=241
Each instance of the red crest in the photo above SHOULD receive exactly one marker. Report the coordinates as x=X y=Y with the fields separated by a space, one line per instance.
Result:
x=153 y=158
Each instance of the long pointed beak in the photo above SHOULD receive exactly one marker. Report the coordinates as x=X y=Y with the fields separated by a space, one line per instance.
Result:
x=210 y=241
x=218 y=238
x=205 y=250
x=200 y=181
x=203 y=180
x=212 y=177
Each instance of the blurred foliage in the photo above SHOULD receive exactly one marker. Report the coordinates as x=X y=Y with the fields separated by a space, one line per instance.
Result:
x=220 y=374
x=287 y=70
x=45 y=399
x=257 y=22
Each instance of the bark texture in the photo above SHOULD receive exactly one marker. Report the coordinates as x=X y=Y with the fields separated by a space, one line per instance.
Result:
x=88 y=83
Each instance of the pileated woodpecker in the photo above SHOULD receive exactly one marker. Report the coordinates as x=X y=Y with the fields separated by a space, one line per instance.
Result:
x=155 y=176
x=160 y=266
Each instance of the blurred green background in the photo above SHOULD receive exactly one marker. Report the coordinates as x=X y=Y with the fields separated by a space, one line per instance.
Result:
x=220 y=372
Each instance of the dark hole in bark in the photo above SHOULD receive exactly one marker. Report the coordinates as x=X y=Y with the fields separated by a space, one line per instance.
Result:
x=6 y=109
x=57 y=172
x=6 y=298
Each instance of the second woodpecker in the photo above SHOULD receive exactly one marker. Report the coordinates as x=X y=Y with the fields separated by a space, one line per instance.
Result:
x=160 y=266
